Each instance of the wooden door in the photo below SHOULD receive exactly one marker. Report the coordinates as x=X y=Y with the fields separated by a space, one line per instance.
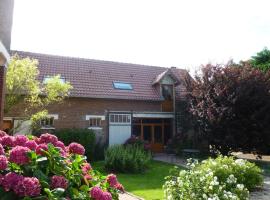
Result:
x=153 y=134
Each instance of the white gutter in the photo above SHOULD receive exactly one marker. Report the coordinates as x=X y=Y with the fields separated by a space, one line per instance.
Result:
x=153 y=115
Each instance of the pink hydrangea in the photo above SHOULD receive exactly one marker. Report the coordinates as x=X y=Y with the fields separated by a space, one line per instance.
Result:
x=87 y=177
x=60 y=145
x=106 y=196
x=96 y=193
x=112 y=180
x=31 y=144
x=8 y=141
x=48 y=138
x=18 y=155
x=59 y=182
x=2 y=150
x=3 y=162
x=86 y=167
x=40 y=148
x=76 y=148
x=20 y=140
x=2 y=133
x=120 y=187
x=37 y=140
x=28 y=187
x=10 y=180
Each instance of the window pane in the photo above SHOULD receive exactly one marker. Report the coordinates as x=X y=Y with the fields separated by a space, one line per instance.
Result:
x=122 y=86
x=167 y=92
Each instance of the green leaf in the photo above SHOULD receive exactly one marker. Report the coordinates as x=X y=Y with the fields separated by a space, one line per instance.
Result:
x=58 y=192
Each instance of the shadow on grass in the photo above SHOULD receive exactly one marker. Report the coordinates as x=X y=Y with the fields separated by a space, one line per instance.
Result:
x=148 y=184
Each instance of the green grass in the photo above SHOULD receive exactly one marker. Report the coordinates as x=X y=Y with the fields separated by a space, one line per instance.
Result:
x=147 y=185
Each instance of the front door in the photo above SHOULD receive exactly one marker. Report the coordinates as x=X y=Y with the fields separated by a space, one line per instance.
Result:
x=153 y=134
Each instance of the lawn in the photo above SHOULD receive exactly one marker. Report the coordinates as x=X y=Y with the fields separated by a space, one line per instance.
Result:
x=147 y=185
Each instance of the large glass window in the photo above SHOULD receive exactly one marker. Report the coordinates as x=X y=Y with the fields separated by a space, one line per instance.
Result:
x=122 y=85
x=167 y=92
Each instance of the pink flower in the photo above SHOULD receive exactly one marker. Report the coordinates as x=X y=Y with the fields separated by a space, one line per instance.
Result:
x=2 y=133
x=28 y=187
x=31 y=144
x=10 y=180
x=2 y=150
x=40 y=148
x=86 y=167
x=48 y=138
x=37 y=140
x=112 y=180
x=20 y=140
x=87 y=177
x=3 y=162
x=18 y=155
x=96 y=193
x=8 y=141
x=76 y=148
x=59 y=182
x=60 y=144
x=120 y=187
x=106 y=196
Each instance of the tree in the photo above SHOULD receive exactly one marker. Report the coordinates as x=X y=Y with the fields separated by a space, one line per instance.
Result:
x=232 y=107
x=261 y=60
x=24 y=88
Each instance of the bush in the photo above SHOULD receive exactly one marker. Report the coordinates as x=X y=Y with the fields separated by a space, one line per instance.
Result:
x=44 y=168
x=220 y=178
x=127 y=158
x=232 y=107
x=136 y=141
x=85 y=137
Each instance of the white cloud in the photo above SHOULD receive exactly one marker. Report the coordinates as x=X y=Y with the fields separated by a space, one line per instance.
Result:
x=183 y=33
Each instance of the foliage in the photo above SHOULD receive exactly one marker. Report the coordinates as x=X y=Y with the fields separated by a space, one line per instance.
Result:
x=147 y=185
x=85 y=137
x=136 y=141
x=220 y=178
x=126 y=159
x=261 y=60
x=44 y=168
x=232 y=107
x=23 y=87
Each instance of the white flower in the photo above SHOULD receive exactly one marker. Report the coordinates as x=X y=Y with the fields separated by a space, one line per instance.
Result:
x=240 y=162
x=240 y=186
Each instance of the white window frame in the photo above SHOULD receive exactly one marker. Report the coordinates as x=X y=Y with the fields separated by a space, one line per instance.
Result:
x=89 y=117
x=123 y=119
x=54 y=117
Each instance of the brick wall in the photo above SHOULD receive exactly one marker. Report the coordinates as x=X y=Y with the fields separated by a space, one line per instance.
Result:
x=72 y=112
x=2 y=80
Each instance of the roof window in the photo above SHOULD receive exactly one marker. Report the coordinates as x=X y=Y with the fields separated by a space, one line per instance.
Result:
x=122 y=85
x=46 y=79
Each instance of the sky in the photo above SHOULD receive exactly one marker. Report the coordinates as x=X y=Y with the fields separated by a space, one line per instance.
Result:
x=180 y=33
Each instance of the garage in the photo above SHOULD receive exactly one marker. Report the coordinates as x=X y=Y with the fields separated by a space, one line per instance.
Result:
x=119 y=128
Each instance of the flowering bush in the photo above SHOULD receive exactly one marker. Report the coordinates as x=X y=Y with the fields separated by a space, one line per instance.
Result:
x=44 y=168
x=131 y=159
x=213 y=179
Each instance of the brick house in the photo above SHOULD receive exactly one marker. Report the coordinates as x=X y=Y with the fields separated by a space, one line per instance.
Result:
x=115 y=99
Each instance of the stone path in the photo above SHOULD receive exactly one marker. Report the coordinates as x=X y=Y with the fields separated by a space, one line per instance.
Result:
x=128 y=196
x=263 y=194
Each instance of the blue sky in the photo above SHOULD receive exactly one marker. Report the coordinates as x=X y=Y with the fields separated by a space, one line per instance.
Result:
x=182 y=33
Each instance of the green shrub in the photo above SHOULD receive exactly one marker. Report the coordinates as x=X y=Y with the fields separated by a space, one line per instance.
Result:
x=126 y=158
x=85 y=137
x=220 y=178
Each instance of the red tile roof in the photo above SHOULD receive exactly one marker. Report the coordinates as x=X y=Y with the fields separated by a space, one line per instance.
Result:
x=94 y=78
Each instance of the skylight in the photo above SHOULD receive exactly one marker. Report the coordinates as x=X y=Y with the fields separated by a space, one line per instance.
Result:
x=122 y=85
x=47 y=78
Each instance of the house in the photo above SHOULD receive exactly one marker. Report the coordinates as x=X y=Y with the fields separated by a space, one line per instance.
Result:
x=114 y=99
x=6 y=15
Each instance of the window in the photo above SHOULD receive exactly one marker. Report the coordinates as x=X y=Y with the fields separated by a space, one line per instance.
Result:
x=95 y=122
x=47 y=78
x=47 y=122
x=120 y=118
x=122 y=85
x=167 y=92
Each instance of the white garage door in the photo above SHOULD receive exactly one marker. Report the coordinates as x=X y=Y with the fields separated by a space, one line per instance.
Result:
x=119 y=128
